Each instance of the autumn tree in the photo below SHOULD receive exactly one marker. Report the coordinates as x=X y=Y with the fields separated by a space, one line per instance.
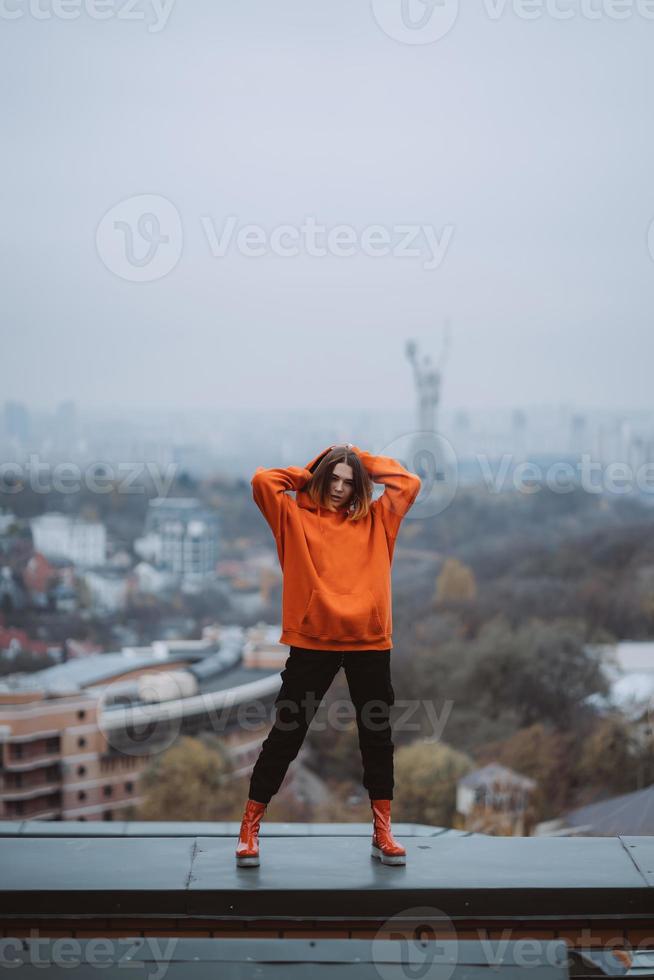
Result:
x=610 y=758
x=192 y=780
x=426 y=775
x=546 y=755
x=455 y=582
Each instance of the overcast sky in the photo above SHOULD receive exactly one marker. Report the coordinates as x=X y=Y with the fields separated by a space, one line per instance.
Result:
x=519 y=154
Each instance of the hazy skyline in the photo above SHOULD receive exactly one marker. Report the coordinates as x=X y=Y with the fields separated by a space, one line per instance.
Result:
x=529 y=139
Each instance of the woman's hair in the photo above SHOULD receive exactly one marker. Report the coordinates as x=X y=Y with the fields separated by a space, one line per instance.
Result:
x=318 y=487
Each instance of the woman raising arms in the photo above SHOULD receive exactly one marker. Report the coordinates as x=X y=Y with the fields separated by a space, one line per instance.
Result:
x=335 y=546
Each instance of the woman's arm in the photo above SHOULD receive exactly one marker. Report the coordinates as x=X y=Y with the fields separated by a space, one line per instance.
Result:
x=269 y=491
x=401 y=488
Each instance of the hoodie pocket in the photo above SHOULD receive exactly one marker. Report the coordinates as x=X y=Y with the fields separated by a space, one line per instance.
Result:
x=342 y=616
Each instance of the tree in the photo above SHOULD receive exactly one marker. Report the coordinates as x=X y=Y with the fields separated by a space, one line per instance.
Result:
x=610 y=757
x=546 y=755
x=506 y=679
x=455 y=583
x=191 y=781
x=426 y=774
x=541 y=669
x=334 y=753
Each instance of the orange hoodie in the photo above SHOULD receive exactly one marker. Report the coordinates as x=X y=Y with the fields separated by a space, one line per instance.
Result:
x=336 y=591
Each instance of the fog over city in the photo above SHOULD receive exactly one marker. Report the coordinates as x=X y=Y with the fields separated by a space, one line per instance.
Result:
x=498 y=177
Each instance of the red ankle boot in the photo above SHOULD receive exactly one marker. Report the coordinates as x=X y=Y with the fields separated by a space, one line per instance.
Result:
x=384 y=845
x=247 y=849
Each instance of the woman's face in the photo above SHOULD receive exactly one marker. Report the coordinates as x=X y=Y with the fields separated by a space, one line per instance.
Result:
x=340 y=486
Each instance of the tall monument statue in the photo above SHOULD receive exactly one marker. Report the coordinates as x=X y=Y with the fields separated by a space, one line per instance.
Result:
x=427 y=381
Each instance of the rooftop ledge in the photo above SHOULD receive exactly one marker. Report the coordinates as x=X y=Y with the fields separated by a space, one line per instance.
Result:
x=320 y=872
x=234 y=959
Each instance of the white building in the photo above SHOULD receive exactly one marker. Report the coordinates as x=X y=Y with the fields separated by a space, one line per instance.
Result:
x=109 y=590
x=629 y=668
x=6 y=520
x=149 y=547
x=58 y=535
x=262 y=647
x=153 y=581
x=494 y=789
x=181 y=536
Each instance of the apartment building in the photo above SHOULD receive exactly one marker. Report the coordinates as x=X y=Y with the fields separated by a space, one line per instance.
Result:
x=55 y=763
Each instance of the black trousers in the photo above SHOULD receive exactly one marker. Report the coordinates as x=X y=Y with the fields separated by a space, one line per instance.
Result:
x=306 y=678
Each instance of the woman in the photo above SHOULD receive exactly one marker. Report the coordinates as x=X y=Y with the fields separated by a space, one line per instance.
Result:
x=335 y=546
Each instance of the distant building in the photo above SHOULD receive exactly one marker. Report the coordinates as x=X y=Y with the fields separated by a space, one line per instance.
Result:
x=262 y=649
x=180 y=536
x=631 y=814
x=14 y=641
x=495 y=800
x=7 y=519
x=17 y=423
x=62 y=536
x=65 y=425
x=152 y=581
x=579 y=439
x=247 y=601
x=50 y=583
x=76 y=649
x=12 y=594
x=629 y=668
x=76 y=737
x=109 y=588
x=64 y=598
x=54 y=762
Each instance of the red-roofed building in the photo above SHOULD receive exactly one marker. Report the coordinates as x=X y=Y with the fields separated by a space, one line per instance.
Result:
x=14 y=641
x=39 y=575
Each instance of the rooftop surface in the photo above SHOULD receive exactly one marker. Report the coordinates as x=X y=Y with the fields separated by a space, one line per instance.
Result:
x=632 y=811
x=460 y=874
x=236 y=676
x=168 y=900
x=96 y=669
x=82 y=672
x=202 y=828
